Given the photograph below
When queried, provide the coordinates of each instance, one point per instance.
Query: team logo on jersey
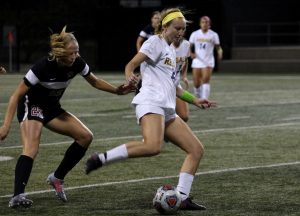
(168, 61)
(37, 112)
(70, 74)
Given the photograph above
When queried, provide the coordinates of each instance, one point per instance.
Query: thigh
(30, 136)
(197, 76)
(153, 127)
(206, 74)
(69, 125)
(179, 133)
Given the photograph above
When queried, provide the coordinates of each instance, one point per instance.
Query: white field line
(237, 117)
(195, 131)
(162, 177)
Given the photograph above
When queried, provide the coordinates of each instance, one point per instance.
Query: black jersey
(48, 80)
(147, 32)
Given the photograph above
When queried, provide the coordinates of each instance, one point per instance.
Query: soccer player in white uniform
(203, 42)
(155, 107)
(182, 48)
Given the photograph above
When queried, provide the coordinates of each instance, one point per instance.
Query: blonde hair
(165, 13)
(58, 44)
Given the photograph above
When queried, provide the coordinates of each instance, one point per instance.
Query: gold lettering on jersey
(180, 60)
(168, 61)
(204, 40)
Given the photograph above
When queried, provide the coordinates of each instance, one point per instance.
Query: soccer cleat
(93, 163)
(20, 201)
(58, 186)
(188, 204)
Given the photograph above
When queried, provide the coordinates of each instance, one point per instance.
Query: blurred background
(256, 35)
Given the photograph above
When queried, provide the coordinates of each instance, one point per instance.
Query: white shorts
(141, 110)
(197, 63)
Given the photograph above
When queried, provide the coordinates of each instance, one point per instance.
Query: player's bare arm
(132, 65)
(11, 109)
(105, 86)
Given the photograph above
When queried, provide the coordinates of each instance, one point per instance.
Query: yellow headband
(171, 16)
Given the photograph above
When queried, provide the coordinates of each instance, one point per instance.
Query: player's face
(175, 30)
(204, 24)
(155, 20)
(72, 52)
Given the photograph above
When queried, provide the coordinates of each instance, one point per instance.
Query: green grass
(256, 124)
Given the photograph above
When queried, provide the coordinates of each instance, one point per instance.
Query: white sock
(197, 91)
(115, 154)
(184, 184)
(200, 89)
(205, 91)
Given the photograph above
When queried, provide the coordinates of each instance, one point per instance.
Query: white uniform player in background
(182, 48)
(203, 42)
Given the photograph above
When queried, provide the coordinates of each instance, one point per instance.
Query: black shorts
(42, 113)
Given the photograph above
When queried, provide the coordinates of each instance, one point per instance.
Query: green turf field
(251, 164)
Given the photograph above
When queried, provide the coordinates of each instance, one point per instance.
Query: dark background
(107, 31)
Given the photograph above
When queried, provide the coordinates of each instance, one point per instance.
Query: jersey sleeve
(187, 49)
(82, 67)
(192, 38)
(216, 39)
(31, 79)
(152, 48)
(143, 34)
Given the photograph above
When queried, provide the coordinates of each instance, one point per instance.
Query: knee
(152, 149)
(85, 138)
(198, 151)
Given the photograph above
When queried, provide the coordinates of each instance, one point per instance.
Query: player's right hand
(132, 79)
(3, 132)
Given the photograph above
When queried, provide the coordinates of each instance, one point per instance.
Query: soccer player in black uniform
(148, 30)
(37, 100)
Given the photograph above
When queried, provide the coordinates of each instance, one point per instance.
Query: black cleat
(188, 204)
(92, 163)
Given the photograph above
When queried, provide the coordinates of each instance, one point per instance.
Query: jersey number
(202, 45)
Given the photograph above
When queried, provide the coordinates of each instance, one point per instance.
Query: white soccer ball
(167, 200)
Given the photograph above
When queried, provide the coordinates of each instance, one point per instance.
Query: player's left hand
(125, 89)
(186, 82)
(203, 103)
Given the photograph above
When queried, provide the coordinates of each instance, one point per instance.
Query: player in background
(2, 70)
(155, 107)
(37, 98)
(182, 48)
(203, 42)
(149, 30)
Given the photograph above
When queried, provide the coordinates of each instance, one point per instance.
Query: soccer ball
(167, 199)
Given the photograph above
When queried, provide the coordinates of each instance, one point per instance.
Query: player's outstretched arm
(11, 109)
(106, 86)
(192, 99)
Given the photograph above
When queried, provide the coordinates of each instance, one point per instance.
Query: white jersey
(204, 44)
(182, 53)
(158, 88)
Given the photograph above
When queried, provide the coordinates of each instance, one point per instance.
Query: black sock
(22, 173)
(72, 156)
